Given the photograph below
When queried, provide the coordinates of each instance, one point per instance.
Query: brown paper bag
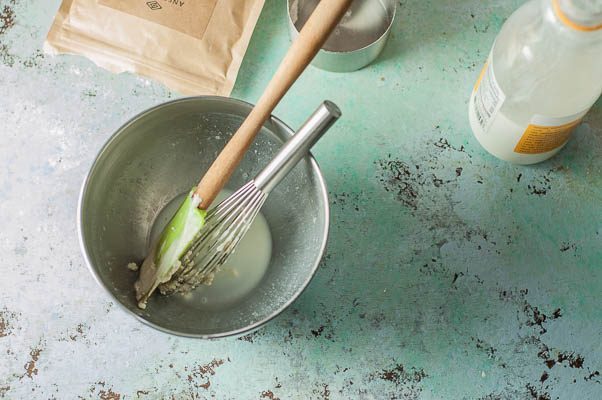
(192, 46)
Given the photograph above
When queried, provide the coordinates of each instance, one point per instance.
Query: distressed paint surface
(449, 274)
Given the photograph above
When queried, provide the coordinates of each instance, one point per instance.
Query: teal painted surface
(449, 274)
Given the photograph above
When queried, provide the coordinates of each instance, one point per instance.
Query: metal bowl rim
(83, 190)
(384, 35)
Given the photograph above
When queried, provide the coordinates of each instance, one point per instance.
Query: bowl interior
(158, 156)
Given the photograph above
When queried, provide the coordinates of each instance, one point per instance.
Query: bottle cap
(580, 15)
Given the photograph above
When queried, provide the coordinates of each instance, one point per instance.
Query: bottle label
(546, 134)
(488, 97)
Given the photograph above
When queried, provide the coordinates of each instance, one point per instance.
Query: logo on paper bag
(154, 5)
(190, 18)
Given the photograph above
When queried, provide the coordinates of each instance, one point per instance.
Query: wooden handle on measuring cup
(310, 40)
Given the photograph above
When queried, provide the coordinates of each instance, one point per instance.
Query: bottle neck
(579, 15)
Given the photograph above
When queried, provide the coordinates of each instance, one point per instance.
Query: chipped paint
(6, 322)
(30, 366)
(199, 377)
(7, 17)
(268, 394)
(109, 395)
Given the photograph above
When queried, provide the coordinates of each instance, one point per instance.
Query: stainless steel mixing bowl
(159, 155)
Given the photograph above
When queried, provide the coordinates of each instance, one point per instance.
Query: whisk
(228, 222)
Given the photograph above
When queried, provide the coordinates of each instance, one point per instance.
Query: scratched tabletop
(449, 274)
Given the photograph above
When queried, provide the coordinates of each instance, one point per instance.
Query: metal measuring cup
(358, 39)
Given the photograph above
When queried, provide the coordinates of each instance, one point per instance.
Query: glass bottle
(542, 76)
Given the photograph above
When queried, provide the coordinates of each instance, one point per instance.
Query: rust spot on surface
(534, 394)
(210, 368)
(79, 330)
(109, 395)
(3, 326)
(250, 337)
(540, 185)
(7, 18)
(326, 392)
(199, 376)
(6, 57)
(538, 318)
(33, 60)
(268, 394)
(403, 180)
(78, 333)
(317, 332)
(403, 379)
(592, 376)
(4, 390)
(550, 363)
(6, 318)
(574, 360)
(103, 391)
(399, 375)
(485, 347)
(30, 366)
(456, 276)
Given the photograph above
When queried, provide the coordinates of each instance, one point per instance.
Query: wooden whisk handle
(310, 40)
